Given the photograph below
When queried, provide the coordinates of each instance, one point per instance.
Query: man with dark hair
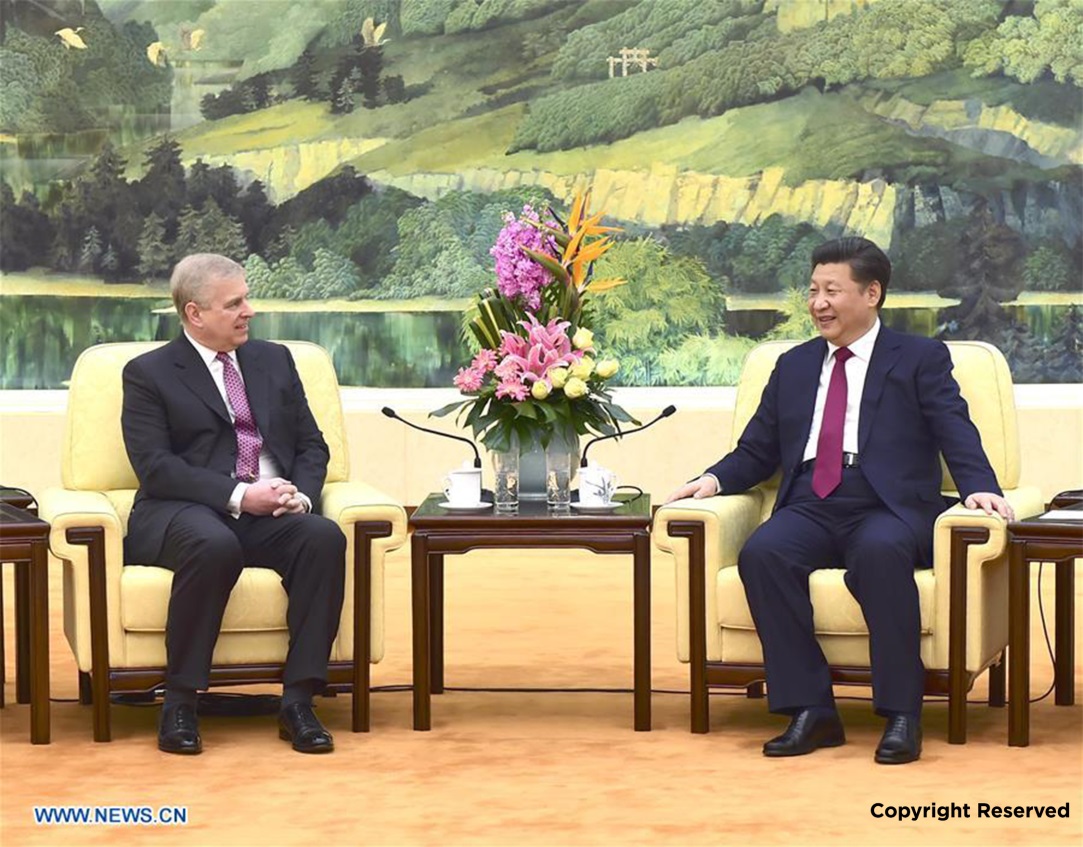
(856, 421)
(230, 460)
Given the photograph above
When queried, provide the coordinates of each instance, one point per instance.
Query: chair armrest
(348, 503)
(727, 523)
(352, 505)
(66, 509)
(1026, 502)
(970, 552)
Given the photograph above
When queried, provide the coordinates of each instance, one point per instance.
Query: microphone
(666, 412)
(391, 413)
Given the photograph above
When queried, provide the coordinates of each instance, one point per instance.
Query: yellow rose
(575, 388)
(583, 368)
(558, 376)
(539, 390)
(583, 339)
(607, 367)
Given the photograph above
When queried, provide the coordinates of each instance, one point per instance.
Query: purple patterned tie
(249, 441)
(827, 473)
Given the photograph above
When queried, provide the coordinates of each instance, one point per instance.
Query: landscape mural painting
(358, 157)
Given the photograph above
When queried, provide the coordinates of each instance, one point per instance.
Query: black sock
(179, 697)
(298, 692)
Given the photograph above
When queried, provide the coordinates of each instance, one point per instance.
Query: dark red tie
(827, 473)
(249, 441)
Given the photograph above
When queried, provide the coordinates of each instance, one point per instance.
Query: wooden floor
(539, 768)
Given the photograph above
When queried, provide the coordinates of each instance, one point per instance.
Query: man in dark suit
(230, 462)
(855, 420)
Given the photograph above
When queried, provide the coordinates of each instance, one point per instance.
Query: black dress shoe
(808, 730)
(901, 742)
(298, 723)
(178, 730)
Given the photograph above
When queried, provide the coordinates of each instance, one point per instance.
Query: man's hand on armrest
(990, 503)
(705, 486)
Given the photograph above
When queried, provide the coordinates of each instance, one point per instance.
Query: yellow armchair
(114, 616)
(963, 597)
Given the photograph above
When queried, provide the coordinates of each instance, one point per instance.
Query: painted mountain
(358, 156)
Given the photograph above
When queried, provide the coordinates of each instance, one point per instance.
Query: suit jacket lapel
(806, 384)
(885, 355)
(257, 384)
(192, 372)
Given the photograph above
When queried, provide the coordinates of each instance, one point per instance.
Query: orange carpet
(538, 768)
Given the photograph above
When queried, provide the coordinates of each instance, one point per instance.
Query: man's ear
(874, 291)
(191, 313)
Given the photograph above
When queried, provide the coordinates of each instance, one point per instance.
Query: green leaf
(449, 408)
(526, 409)
(549, 263)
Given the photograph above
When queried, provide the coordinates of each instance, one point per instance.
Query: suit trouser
(207, 551)
(851, 528)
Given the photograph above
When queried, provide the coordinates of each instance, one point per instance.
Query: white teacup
(597, 485)
(462, 487)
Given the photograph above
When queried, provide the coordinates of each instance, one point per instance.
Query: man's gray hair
(190, 278)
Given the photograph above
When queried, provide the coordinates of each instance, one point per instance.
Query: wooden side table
(24, 540)
(1040, 540)
(437, 532)
(21, 500)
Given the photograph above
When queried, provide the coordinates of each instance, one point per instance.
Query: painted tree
(163, 188)
(394, 89)
(303, 76)
(25, 231)
(1025, 359)
(668, 298)
(370, 64)
(344, 83)
(1064, 358)
(189, 231)
(155, 255)
(336, 275)
(219, 233)
(1032, 46)
(990, 272)
(91, 252)
(254, 211)
(110, 264)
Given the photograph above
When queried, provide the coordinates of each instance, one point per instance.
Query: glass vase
(506, 480)
(532, 464)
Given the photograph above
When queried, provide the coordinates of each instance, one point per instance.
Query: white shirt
(268, 467)
(857, 368)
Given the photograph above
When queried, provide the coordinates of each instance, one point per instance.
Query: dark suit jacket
(911, 411)
(181, 442)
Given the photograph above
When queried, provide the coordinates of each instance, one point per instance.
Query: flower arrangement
(537, 374)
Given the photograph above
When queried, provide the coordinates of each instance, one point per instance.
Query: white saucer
(600, 508)
(470, 507)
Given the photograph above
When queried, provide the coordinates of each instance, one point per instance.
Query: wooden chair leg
(997, 688)
(754, 690)
(86, 695)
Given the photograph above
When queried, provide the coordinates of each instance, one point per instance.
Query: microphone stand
(391, 413)
(665, 413)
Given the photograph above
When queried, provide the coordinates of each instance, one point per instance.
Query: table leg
(22, 632)
(39, 643)
(436, 621)
(3, 645)
(419, 572)
(641, 605)
(1065, 627)
(1018, 646)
